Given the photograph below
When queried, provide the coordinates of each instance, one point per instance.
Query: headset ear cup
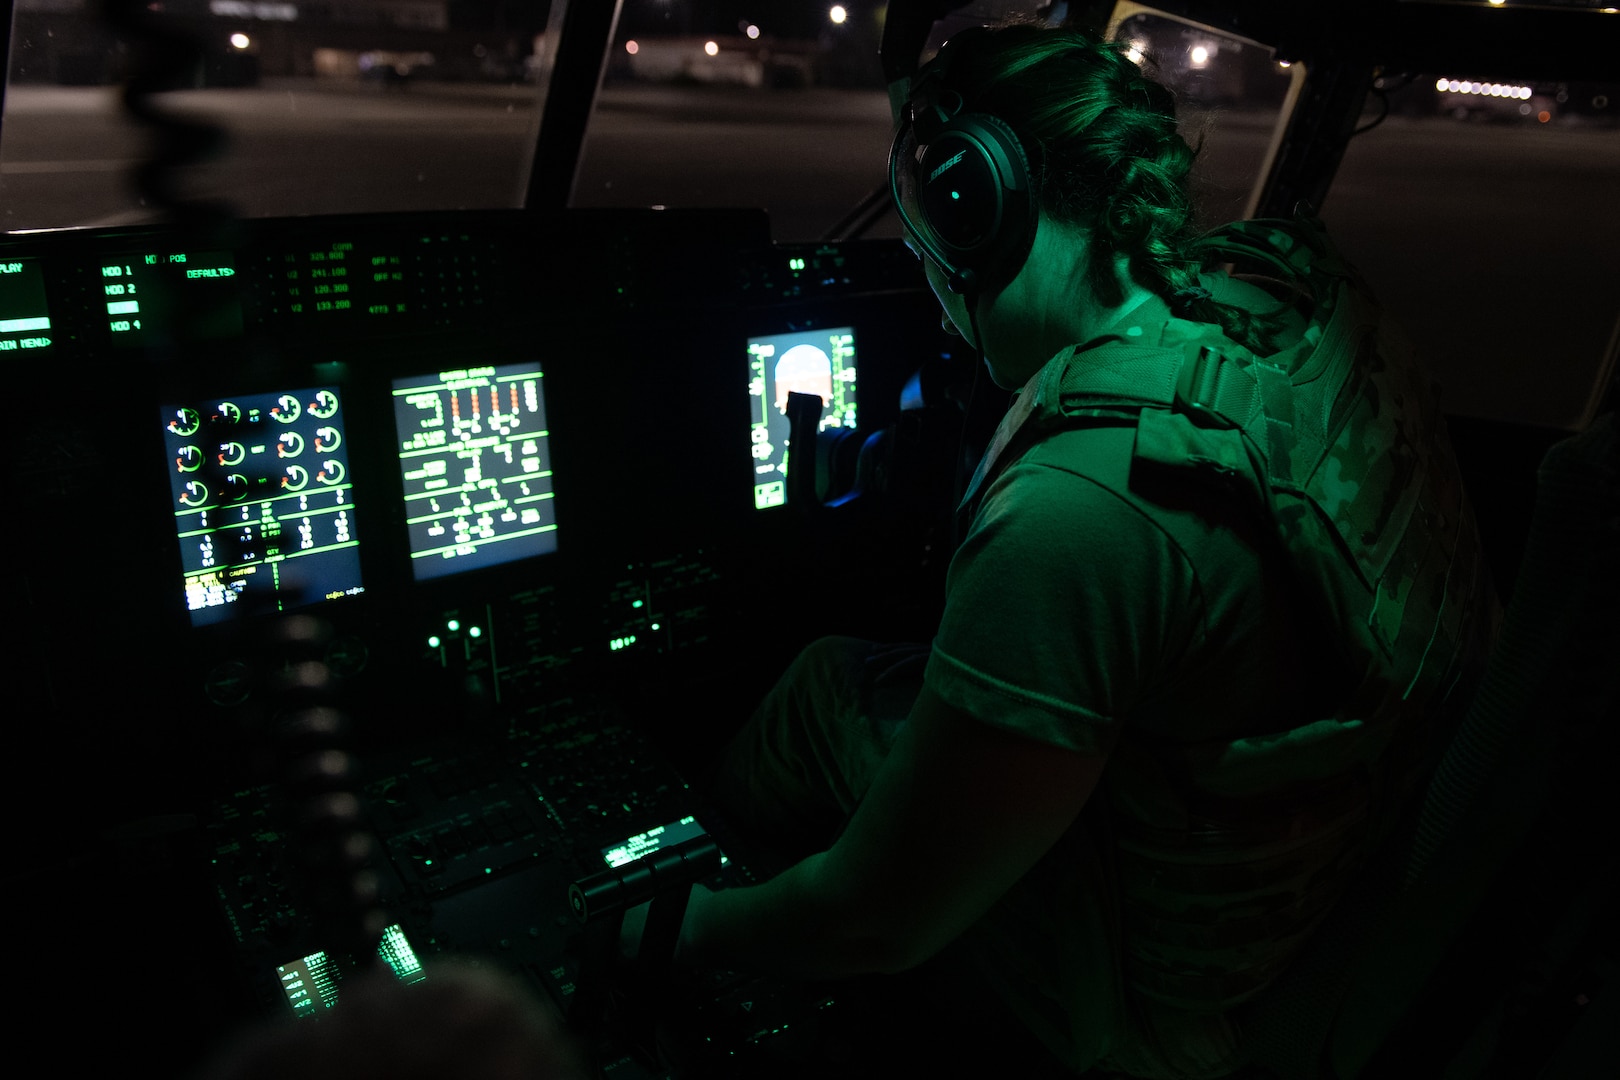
(973, 192)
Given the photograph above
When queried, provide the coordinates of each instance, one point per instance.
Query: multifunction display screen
(475, 456)
(263, 502)
(25, 322)
(820, 362)
(156, 297)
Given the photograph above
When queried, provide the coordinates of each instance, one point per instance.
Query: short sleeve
(1065, 606)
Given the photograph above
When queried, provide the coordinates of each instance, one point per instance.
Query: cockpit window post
(587, 31)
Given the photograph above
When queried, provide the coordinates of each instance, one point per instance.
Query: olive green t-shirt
(1104, 606)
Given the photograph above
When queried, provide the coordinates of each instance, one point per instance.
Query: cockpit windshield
(273, 108)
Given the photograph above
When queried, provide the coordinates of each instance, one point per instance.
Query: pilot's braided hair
(1103, 146)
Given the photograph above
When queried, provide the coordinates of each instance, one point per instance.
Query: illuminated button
(453, 625)
(433, 642)
(475, 632)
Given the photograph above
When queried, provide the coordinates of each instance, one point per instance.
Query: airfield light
(838, 14)
(711, 48)
(240, 41)
(1200, 55)
(631, 47)
(752, 32)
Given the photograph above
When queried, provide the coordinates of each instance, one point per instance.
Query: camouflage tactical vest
(1338, 440)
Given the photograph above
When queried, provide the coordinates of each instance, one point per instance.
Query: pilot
(1102, 792)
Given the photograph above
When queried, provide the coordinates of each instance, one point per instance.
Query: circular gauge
(296, 479)
(228, 413)
(231, 453)
(291, 444)
(236, 486)
(332, 472)
(195, 493)
(347, 655)
(229, 683)
(287, 409)
(185, 422)
(324, 405)
(327, 439)
(188, 459)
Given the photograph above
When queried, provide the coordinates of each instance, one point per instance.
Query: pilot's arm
(958, 812)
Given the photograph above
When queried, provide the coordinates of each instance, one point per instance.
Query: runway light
(752, 32)
(1544, 116)
(711, 48)
(1200, 56)
(632, 48)
(838, 14)
(1441, 85)
(240, 41)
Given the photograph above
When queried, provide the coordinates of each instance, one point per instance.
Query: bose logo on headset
(977, 228)
(960, 154)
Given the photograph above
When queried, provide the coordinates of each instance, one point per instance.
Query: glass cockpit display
(820, 362)
(153, 297)
(25, 321)
(476, 462)
(263, 502)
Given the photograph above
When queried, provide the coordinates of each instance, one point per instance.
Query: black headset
(975, 214)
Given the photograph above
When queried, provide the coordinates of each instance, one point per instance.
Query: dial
(332, 472)
(327, 439)
(236, 486)
(231, 453)
(228, 413)
(291, 444)
(324, 405)
(296, 479)
(185, 423)
(287, 409)
(188, 459)
(195, 493)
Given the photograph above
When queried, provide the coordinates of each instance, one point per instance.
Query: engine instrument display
(263, 502)
(476, 462)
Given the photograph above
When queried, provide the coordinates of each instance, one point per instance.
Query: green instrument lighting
(956, 194)
(476, 631)
(453, 625)
(433, 642)
(639, 603)
(655, 626)
(795, 264)
(487, 870)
